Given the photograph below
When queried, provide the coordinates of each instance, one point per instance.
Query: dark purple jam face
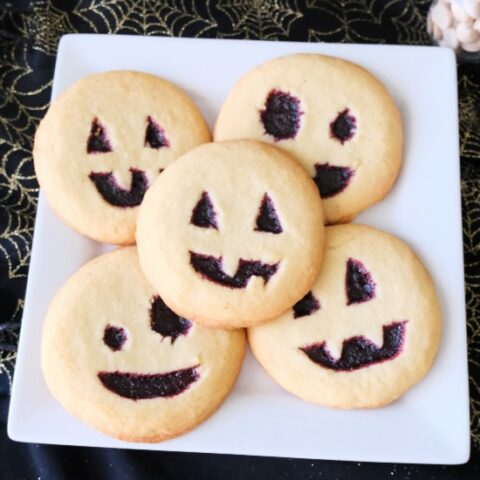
(166, 322)
(331, 180)
(359, 284)
(359, 352)
(267, 218)
(138, 386)
(114, 337)
(281, 115)
(155, 135)
(306, 306)
(203, 214)
(98, 141)
(117, 196)
(343, 128)
(211, 269)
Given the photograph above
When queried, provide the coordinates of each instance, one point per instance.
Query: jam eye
(267, 218)
(98, 141)
(306, 306)
(281, 115)
(155, 135)
(114, 337)
(343, 128)
(166, 322)
(360, 286)
(203, 214)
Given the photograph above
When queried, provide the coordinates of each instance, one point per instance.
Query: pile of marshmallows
(456, 24)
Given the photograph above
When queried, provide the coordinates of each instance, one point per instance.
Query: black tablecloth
(29, 34)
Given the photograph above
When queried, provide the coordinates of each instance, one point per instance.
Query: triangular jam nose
(267, 218)
(203, 214)
(155, 135)
(98, 141)
(360, 286)
(306, 306)
(331, 180)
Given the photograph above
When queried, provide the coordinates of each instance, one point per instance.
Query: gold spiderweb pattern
(270, 20)
(469, 125)
(29, 34)
(469, 108)
(361, 21)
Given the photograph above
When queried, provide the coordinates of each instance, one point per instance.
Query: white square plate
(430, 424)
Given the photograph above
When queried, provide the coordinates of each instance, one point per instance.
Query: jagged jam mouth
(211, 268)
(138, 386)
(359, 352)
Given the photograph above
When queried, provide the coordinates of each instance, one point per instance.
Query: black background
(29, 34)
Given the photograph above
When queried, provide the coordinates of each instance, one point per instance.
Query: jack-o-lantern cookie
(103, 142)
(367, 331)
(231, 234)
(336, 118)
(117, 357)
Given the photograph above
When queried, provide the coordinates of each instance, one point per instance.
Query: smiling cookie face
(366, 332)
(333, 116)
(116, 356)
(104, 141)
(231, 234)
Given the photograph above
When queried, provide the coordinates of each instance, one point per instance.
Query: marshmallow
(442, 16)
(450, 38)
(466, 34)
(471, 47)
(472, 7)
(459, 12)
(429, 24)
(437, 33)
(455, 24)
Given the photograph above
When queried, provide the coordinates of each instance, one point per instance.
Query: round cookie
(116, 357)
(367, 331)
(103, 142)
(230, 235)
(335, 117)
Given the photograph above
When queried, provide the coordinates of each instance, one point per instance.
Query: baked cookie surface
(332, 115)
(115, 356)
(230, 234)
(102, 143)
(367, 331)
